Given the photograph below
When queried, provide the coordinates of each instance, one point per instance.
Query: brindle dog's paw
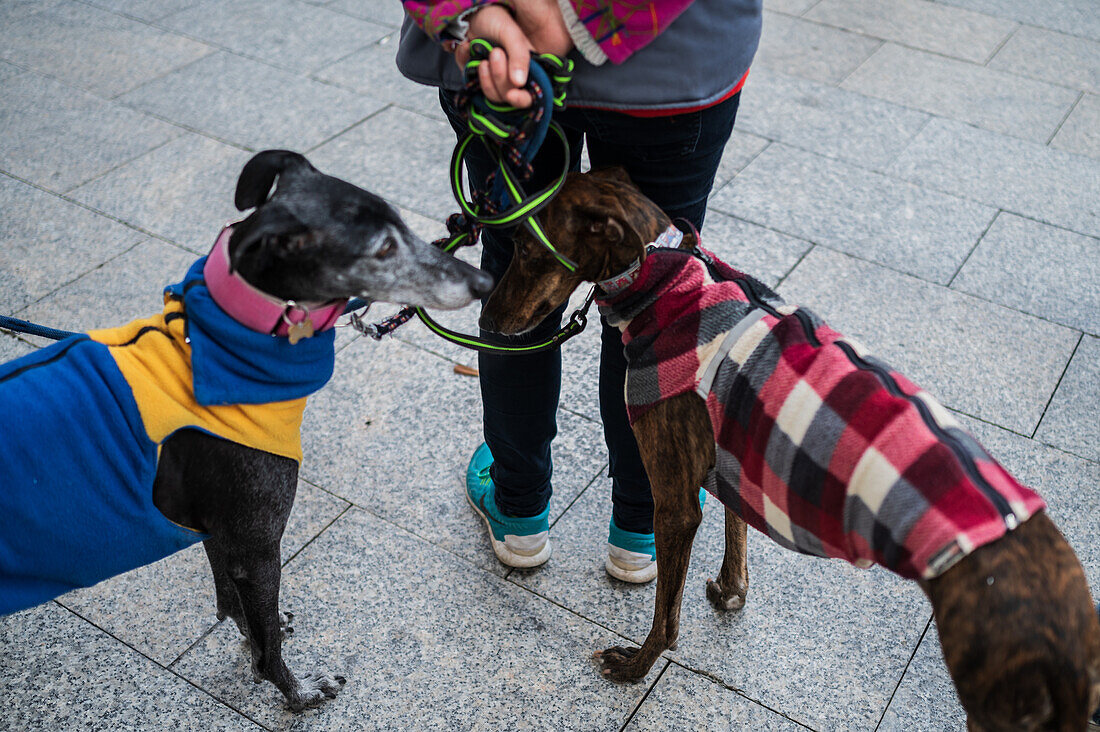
(723, 599)
(618, 664)
(314, 688)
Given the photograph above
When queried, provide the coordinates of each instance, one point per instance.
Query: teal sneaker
(517, 542)
(632, 557)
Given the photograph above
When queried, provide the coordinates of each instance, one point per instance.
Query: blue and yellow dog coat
(82, 422)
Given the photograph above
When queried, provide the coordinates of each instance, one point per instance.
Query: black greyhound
(225, 472)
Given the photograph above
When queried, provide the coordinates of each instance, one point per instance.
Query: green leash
(511, 137)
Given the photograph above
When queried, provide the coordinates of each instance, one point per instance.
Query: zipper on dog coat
(820, 446)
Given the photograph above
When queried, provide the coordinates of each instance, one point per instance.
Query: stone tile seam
(794, 266)
(385, 106)
(839, 83)
(1056, 448)
(904, 671)
(924, 125)
(331, 7)
(645, 696)
(1004, 41)
(1065, 370)
(974, 248)
(168, 668)
(145, 21)
(107, 215)
(926, 186)
(739, 692)
(1069, 112)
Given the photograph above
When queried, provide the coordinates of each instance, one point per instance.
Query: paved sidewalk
(925, 174)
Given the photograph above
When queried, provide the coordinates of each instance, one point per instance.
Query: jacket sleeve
(613, 30)
(435, 17)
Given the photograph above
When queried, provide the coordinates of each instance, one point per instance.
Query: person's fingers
(517, 50)
(488, 83)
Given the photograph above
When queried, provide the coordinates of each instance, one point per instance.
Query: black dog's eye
(389, 246)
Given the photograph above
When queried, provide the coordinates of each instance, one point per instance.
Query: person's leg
(673, 160)
(519, 393)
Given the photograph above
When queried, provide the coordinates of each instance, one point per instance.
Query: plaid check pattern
(822, 447)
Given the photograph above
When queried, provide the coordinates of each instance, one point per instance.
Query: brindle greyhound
(1023, 650)
(216, 384)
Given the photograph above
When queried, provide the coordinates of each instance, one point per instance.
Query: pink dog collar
(258, 310)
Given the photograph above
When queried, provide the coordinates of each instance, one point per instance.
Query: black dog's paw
(617, 664)
(314, 688)
(285, 619)
(723, 599)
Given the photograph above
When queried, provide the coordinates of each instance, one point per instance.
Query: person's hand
(544, 25)
(501, 77)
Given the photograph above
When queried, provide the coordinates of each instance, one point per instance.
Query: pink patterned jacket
(601, 29)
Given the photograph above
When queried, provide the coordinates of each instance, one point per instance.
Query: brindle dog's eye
(389, 247)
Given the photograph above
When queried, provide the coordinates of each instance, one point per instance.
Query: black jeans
(673, 160)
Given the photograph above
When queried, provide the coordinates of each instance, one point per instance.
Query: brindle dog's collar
(256, 309)
(670, 238)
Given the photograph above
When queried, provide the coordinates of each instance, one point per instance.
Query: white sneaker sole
(635, 576)
(506, 555)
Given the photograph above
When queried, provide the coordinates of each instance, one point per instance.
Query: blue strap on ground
(23, 326)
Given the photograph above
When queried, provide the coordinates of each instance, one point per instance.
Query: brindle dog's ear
(602, 224)
(259, 173)
(615, 172)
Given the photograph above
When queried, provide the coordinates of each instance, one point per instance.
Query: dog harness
(83, 421)
(822, 447)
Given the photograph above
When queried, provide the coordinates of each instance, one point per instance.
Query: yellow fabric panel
(158, 368)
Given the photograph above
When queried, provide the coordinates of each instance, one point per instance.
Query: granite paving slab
(372, 71)
(810, 50)
(83, 46)
(1040, 269)
(182, 191)
(251, 104)
(419, 657)
(982, 96)
(763, 253)
(792, 7)
(683, 700)
(826, 120)
(926, 698)
(400, 155)
(50, 242)
(8, 70)
(149, 10)
(161, 609)
(1055, 57)
(75, 676)
(11, 347)
(284, 33)
(59, 137)
(1070, 421)
(1021, 177)
(382, 12)
(124, 289)
(997, 364)
(1080, 133)
(854, 210)
(1078, 17)
(393, 432)
(818, 641)
(919, 24)
(739, 152)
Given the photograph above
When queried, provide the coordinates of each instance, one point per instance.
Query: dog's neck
(258, 310)
(626, 271)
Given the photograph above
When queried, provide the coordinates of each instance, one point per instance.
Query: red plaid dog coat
(822, 447)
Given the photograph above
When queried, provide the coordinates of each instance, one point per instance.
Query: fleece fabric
(822, 447)
(83, 420)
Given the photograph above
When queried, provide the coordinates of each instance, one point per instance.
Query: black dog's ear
(262, 234)
(259, 173)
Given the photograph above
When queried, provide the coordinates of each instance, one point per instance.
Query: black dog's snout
(481, 283)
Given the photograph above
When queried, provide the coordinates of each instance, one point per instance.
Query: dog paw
(723, 599)
(285, 619)
(618, 664)
(314, 688)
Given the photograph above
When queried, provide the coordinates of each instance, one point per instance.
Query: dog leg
(228, 601)
(728, 592)
(256, 579)
(677, 447)
(1019, 632)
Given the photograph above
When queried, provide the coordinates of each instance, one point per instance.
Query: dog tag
(297, 331)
